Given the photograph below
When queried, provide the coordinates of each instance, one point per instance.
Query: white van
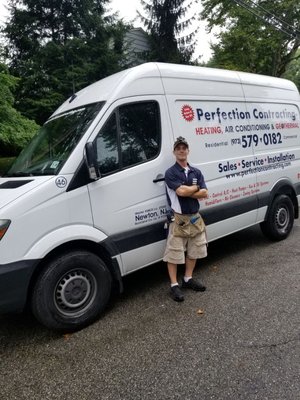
(84, 204)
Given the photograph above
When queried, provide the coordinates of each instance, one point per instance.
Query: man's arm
(187, 191)
(200, 194)
(192, 191)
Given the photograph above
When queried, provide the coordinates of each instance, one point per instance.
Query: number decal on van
(61, 182)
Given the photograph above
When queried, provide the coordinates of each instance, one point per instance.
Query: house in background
(136, 46)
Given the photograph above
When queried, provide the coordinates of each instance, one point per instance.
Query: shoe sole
(195, 290)
(179, 300)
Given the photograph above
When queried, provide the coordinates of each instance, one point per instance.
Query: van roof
(122, 84)
(143, 80)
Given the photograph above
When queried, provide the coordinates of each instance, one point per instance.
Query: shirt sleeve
(172, 181)
(201, 181)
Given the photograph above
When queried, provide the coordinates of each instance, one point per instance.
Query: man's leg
(176, 293)
(174, 252)
(188, 282)
(189, 266)
(172, 269)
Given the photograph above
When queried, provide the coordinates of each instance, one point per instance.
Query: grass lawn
(5, 163)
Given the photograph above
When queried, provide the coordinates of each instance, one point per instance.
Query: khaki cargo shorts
(195, 247)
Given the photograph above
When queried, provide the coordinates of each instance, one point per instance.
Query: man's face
(181, 152)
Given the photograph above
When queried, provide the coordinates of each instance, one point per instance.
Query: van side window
(107, 146)
(130, 136)
(140, 132)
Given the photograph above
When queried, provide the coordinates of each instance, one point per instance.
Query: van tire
(280, 218)
(71, 291)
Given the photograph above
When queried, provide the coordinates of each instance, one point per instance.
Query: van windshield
(52, 145)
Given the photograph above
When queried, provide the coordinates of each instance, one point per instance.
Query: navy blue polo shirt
(175, 176)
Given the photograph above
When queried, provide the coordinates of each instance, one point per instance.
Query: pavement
(238, 340)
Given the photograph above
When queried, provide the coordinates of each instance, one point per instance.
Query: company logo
(61, 182)
(187, 113)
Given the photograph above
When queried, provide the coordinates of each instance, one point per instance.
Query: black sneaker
(193, 284)
(176, 293)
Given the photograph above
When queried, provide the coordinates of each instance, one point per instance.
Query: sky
(127, 11)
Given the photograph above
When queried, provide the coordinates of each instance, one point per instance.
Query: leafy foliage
(246, 42)
(5, 163)
(15, 130)
(57, 47)
(293, 70)
(165, 23)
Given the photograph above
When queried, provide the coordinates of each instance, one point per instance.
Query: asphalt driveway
(238, 340)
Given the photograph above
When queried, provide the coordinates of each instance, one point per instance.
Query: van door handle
(159, 178)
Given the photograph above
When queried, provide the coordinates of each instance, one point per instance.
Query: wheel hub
(282, 218)
(75, 292)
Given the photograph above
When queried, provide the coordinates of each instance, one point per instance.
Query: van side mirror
(91, 161)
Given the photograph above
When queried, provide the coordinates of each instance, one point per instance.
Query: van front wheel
(280, 219)
(71, 291)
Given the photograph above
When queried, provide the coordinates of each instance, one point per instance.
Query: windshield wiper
(17, 174)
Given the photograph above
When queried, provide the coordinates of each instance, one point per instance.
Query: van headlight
(4, 224)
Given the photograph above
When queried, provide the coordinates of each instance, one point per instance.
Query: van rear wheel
(71, 291)
(280, 219)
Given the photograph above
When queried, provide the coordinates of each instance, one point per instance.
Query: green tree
(58, 46)
(248, 43)
(293, 70)
(15, 130)
(164, 21)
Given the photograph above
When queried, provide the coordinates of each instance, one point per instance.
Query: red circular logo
(187, 113)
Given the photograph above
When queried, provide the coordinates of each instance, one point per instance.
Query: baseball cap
(180, 140)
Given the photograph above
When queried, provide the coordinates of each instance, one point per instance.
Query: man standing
(185, 186)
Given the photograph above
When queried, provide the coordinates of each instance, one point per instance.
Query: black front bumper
(14, 282)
